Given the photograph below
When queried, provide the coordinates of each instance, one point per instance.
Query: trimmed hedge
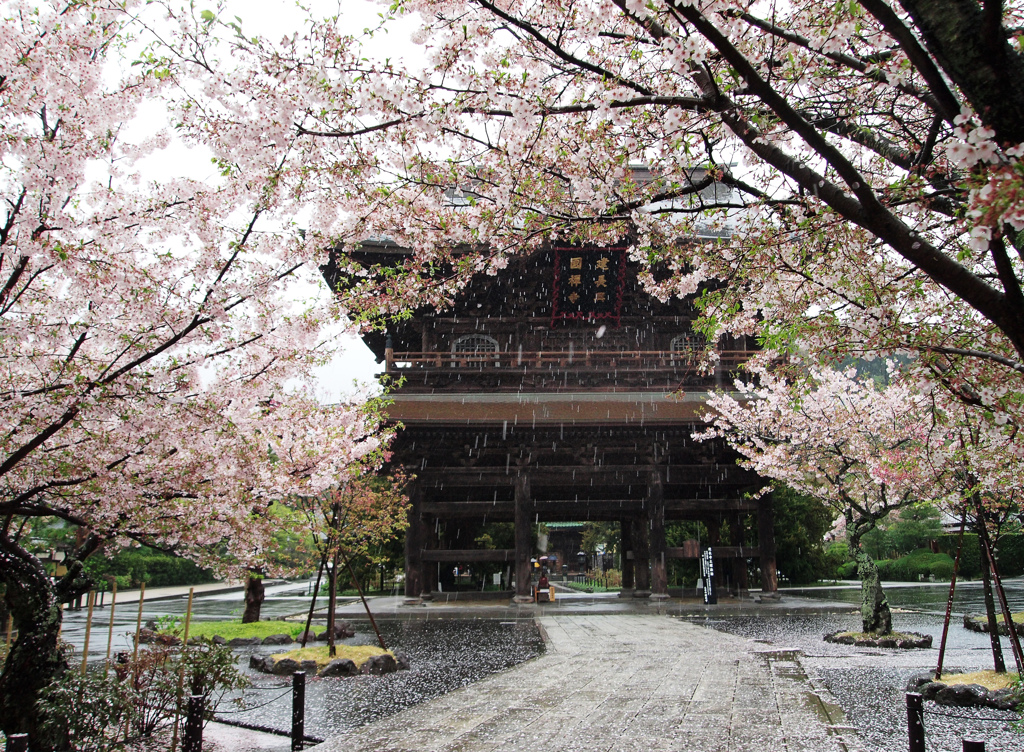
(132, 566)
(916, 566)
(1009, 553)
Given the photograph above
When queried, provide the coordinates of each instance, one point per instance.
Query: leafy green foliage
(491, 536)
(683, 572)
(90, 713)
(598, 534)
(800, 526)
(87, 713)
(913, 529)
(1009, 554)
(130, 567)
(916, 566)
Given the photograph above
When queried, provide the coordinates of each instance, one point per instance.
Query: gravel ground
(869, 683)
(445, 655)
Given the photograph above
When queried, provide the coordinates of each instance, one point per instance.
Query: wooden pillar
(628, 581)
(430, 543)
(740, 580)
(414, 540)
(766, 542)
(642, 555)
(656, 507)
(522, 535)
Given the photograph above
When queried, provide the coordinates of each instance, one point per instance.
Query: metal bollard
(915, 721)
(298, 709)
(974, 745)
(17, 743)
(193, 738)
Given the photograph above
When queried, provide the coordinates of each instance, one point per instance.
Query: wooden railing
(640, 360)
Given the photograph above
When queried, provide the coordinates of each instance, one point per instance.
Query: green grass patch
(229, 630)
(990, 680)
(358, 654)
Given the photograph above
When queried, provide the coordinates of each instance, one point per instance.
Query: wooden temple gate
(561, 391)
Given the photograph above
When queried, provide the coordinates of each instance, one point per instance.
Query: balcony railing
(638, 360)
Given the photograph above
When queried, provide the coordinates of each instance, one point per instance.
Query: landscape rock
(147, 636)
(904, 640)
(962, 695)
(258, 663)
(971, 622)
(402, 660)
(277, 639)
(931, 689)
(309, 666)
(920, 679)
(285, 667)
(918, 641)
(1002, 699)
(342, 630)
(340, 667)
(218, 640)
(840, 639)
(310, 636)
(241, 642)
(380, 664)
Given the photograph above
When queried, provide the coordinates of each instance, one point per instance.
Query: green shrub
(90, 713)
(916, 566)
(887, 570)
(1010, 553)
(837, 554)
(847, 571)
(132, 566)
(942, 570)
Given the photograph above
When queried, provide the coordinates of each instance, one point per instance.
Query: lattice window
(475, 350)
(475, 344)
(687, 347)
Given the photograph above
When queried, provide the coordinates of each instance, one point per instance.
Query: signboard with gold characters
(588, 284)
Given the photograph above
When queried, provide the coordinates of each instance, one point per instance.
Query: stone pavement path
(624, 683)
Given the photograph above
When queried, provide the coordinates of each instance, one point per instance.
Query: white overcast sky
(275, 19)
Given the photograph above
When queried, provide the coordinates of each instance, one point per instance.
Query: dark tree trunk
(875, 615)
(35, 660)
(990, 610)
(254, 595)
(332, 603)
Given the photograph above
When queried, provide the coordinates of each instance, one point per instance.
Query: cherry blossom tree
(850, 171)
(866, 451)
(156, 364)
(852, 168)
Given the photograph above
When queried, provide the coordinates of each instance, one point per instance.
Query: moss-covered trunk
(874, 608)
(35, 659)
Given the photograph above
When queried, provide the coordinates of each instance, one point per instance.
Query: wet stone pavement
(629, 683)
